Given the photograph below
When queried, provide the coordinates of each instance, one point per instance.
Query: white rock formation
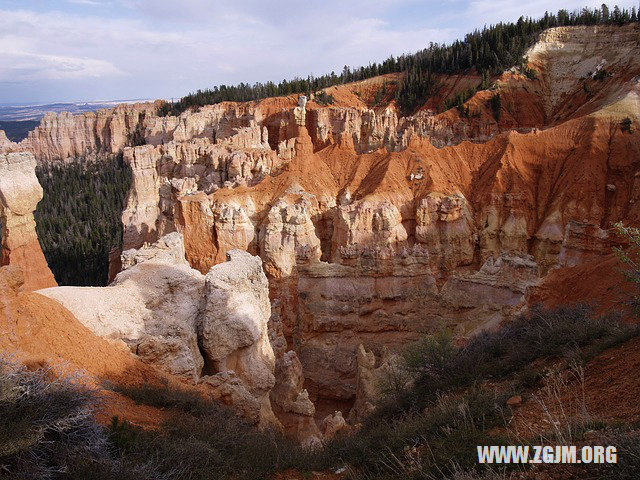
(233, 327)
(288, 236)
(20, 193)
(209, 328)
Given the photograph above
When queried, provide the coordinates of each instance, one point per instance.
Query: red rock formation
(375, 228)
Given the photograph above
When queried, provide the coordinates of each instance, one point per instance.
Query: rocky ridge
(208, 329)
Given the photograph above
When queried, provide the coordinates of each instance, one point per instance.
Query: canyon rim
(279, 256)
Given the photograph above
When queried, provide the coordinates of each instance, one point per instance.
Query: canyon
(275, 252)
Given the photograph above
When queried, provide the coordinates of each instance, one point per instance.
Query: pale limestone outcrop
(236, 344)
(64, 135)
(291, 401)
(230, 390)
(165, 175)
(289, 394)
(153, 306)
(366, 386)
(583, 242)
(332, 425)
(504, 226)
(234, 228)
(548, 241)
(20, 193)
(239, 339)
(367, 225)
(142, 211)
(211, 327)
(367, 130)
(380, 301)
(288, 236)
(444, 224)
(375, 375)
(565, 56)
(300, 112)
(500, 285)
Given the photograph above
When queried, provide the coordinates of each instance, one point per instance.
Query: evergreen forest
(78, 221)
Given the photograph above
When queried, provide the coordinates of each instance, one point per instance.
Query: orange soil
(600, 283)
(38, 331)
(611, 385)
(564, 169)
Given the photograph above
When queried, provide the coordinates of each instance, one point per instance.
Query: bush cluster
(425, 430)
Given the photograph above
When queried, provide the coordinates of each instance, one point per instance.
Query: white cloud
(19, 65)
(93, 3)
(166, 48)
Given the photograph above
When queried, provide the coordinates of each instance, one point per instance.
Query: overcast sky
(72, 50)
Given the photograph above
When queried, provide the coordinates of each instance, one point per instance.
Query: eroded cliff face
(20, 193)
(374, 228)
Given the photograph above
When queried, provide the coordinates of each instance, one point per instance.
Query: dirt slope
(40, 332)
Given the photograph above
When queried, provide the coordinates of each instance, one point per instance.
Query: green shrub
(162, 396)
(430, 428)
(218, 443)
(629, 256)
(122, 434)
(433, 443)
(528, 72)
(601, 75)
(323, 98)
(135, 137)
(541, 333)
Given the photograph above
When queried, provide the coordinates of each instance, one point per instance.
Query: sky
(88, 50)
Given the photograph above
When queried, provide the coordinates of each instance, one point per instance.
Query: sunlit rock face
(20, 193)
(209, 329)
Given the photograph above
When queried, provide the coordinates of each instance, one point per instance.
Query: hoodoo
(20, 193)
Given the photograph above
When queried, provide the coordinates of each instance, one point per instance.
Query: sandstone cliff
(20, 192)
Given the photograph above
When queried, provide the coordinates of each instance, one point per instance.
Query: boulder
(332, 425)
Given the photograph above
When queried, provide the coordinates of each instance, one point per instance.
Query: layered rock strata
(20, 193)
(373, 228)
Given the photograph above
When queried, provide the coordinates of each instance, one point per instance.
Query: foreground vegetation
(425, 428)
(79, 219)
(488, 51)
(455, 398)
